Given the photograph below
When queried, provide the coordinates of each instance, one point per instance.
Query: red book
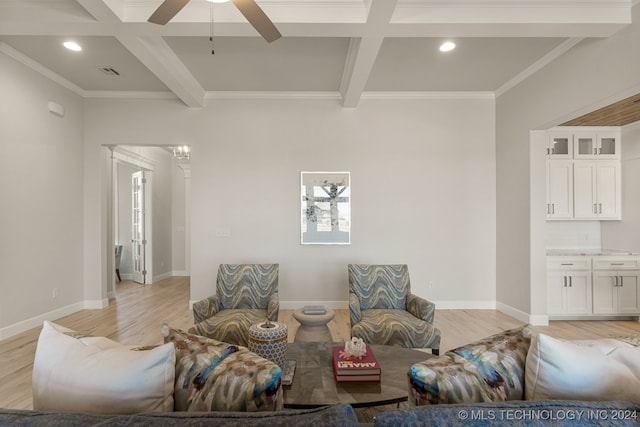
(355, 368)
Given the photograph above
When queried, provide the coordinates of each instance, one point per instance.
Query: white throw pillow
(72, 373)
(582, 370)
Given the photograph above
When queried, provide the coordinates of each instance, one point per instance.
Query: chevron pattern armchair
(245, 294)
(383, 310)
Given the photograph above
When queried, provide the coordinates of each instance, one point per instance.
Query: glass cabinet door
(608, 146)
(560, 146)
(600, 145)
(586, 146)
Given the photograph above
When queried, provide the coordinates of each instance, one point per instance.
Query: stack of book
(355, 368)
(314, 309)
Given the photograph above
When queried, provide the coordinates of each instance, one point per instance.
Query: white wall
(625, 234)
(41, 186)
(592, 74)
(423, 187)
(179, 221)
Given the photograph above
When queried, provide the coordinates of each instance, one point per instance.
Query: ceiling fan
(256, 17)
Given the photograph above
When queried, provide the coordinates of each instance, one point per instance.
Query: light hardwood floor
(135, 315)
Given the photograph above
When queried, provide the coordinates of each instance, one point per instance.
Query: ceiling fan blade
(167, 10)
(258, 19)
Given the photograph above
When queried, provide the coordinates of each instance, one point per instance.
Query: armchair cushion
(231, 324)
(216, 376)
(396, 327)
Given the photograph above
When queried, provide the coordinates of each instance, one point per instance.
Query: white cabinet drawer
(568, 263)
(616, 263)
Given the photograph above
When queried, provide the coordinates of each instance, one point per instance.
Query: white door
(584, 189)
(579, 293)
(605, 292)
(138, 237)
(628, 293)
(608, 191)
(560, 189)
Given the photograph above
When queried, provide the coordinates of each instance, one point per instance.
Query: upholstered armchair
(245, 294)
(383, 310)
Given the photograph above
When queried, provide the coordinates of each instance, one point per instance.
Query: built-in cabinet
(581, 286)
(569, 289)
(596, 189)
(560, 189)
(615, 286)
(583, 175)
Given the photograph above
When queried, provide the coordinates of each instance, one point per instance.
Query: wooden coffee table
(314, 383)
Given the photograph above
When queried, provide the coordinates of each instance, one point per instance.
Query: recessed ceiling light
(72, 46)
(447, 46)
(217, 1)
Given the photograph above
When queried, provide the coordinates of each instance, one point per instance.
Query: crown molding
(39, 68)
(123, 94)
(429, 95)
(560, 50)
(272, 95)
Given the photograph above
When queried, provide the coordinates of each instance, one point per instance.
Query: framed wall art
(325, 208)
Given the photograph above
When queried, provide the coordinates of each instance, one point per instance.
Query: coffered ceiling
(339, 48)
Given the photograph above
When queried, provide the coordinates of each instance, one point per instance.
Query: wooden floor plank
(135, 315)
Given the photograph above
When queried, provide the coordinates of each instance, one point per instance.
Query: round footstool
(313, 327)
(269, 340)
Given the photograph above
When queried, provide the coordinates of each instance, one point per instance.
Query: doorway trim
(122, 155)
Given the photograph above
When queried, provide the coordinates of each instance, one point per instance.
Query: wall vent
(110, 71)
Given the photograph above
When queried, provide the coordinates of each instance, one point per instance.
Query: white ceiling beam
(151, 51)
(100, 11)
(158, 57)
(364, 51)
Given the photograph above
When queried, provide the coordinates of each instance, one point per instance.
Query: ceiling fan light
(71, 45)
(447, 46)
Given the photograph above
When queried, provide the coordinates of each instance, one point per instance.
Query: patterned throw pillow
(489, 370)
(216, 376)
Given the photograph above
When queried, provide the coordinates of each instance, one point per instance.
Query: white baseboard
(292, 305)
(36, 321)
(533, 319)
(98, 304)
(161, 277)
(126, 276)
(180, 273)
(539, 319)
(465, 305)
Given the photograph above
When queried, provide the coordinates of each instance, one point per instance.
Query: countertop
(590, 252)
